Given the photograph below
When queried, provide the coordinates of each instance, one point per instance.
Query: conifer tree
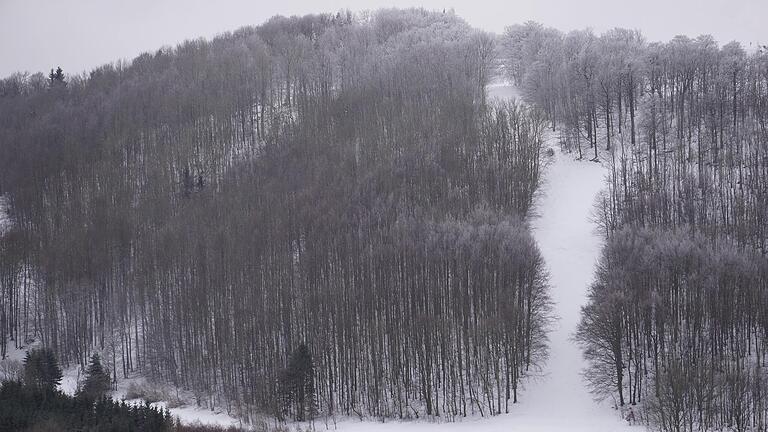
(41, 369)
(97, 380)
(298, 385)
(56, 77)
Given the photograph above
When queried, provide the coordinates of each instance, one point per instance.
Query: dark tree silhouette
(56, 78)
(42, 370)
(298, 385)
(97, 382)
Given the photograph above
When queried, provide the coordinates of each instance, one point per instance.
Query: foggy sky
(36, 35)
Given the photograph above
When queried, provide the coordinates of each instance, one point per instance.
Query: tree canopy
(340, 181)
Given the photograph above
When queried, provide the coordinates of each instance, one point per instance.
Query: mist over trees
(676, 318)
(317, 215)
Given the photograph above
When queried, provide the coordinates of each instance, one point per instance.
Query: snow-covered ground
(192, 415)
(499, 88)
(12, 354)
(188, 413)
(570, 246)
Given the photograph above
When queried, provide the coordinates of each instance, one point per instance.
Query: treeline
(24, 408)
(676, 318)
(679, 323)
(32, 402)
(334, 182)
(687, 120)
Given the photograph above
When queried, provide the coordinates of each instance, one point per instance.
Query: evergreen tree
(97, 380)
(56, 78)
(41, 369)
(298, 385)
(25, 408)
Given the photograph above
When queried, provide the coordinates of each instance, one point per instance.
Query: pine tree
(97, 380)
(298, 385)
(56, 78)
(41, 369)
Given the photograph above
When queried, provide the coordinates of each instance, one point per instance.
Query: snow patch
(501, 89)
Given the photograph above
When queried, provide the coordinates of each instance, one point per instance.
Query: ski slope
(570, 246)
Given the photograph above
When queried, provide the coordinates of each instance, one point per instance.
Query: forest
(676, 319)
(318, 215)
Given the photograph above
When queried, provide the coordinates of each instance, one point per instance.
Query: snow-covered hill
(558, 400)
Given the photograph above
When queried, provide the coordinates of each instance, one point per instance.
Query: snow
(14, 354)
(69, 379)
(570, 246)
(188, 414)
(502, 89)
(192, 414)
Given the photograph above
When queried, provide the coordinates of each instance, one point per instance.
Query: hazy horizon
(37, 36)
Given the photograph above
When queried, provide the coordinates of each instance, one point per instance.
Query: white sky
(36, 35)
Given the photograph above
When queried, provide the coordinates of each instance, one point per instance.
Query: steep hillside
(314, 216)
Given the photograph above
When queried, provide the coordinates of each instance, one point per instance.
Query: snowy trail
(558, 400)
(570, 246)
